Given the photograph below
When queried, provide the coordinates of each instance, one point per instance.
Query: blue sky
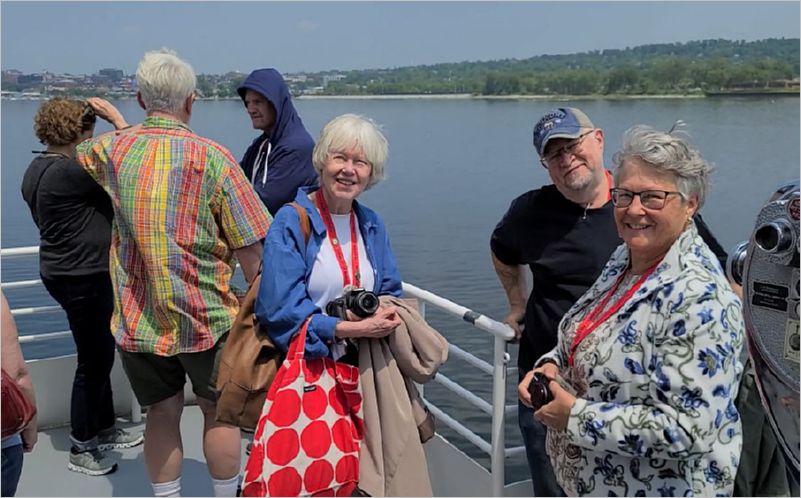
(215, 37)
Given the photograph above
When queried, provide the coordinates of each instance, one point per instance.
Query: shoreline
(469, 96)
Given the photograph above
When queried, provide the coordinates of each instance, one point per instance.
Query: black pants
(89, 302)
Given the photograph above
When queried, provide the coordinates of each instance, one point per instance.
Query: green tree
(622, 79)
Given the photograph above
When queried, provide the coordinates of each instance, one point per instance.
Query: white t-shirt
(325, 281)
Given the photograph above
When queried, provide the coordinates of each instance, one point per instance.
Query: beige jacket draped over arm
(392, 459)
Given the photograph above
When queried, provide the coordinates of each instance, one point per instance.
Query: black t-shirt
(565, 247)
(73, 214)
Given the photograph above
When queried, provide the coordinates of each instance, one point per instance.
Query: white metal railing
(502, 334)
(136, 408)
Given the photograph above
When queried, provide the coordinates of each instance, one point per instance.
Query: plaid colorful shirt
(181, 206)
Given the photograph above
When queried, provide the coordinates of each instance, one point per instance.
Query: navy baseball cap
(564, 122)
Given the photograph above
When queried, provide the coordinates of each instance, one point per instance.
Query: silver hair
(350, 130)
(667, 152)
(164, 81)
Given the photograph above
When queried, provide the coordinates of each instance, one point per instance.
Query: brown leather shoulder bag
(249, 359)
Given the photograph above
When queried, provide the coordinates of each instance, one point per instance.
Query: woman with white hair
(348, 247)
(651, 351)
(322, 288)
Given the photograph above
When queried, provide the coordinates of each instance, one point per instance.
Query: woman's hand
(381, 324)
(106, 110)
(549, 369)
(556, 413)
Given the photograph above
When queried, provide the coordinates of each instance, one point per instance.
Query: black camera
(539, 391)
(360, 302)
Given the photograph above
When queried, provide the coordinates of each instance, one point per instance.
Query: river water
(454, 167)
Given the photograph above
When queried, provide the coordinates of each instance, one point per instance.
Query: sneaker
(92, 462)
(118, 439)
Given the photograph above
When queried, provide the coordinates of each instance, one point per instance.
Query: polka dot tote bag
(308, 436)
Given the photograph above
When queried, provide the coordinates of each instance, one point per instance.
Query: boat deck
(44, 472)
(453, 472)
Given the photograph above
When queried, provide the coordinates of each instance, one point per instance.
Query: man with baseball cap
(565, 233)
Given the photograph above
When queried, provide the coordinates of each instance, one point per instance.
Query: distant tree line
(673, 68)
(669, 68)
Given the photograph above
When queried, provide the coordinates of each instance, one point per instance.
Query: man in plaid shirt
(183, 212)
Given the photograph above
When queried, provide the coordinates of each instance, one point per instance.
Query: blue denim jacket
(283, 301)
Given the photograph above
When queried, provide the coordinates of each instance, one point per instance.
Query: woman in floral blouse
(652, 348)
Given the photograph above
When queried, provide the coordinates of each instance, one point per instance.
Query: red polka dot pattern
(347, 469)
(308, 437)
(342, 433)
(338, 400)
(291, 375)
(283, 446)
(255, 489)
(255, 462)
(316, 439)
(260, 428)
(284, 482)
(285, 409)
(354, 401)
(315, 403)
(318, 476)
(313, 370)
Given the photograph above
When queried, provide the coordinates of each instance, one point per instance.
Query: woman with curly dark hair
(74, 217)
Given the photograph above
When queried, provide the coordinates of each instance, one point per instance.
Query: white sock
(225, 487)
(169, 488)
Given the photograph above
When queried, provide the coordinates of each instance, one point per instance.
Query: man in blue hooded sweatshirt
(279, 161)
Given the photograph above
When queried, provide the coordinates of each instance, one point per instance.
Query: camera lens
(539, 391)
(368, 302)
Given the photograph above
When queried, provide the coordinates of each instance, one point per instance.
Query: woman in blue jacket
(348, 248)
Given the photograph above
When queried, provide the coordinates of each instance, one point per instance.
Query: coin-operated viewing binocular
(767, 268)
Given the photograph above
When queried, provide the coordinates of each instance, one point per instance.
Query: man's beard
(581, 182)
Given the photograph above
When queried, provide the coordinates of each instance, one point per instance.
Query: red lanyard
(332, 237)
(592, 320)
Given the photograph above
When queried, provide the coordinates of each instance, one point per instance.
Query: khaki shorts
(155, 378)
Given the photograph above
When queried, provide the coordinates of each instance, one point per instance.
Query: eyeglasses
(569, 148)
(340, 158)
(650, 199)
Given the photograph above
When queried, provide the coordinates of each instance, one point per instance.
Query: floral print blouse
(655, 383)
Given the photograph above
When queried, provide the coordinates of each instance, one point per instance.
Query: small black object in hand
(539, 391)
